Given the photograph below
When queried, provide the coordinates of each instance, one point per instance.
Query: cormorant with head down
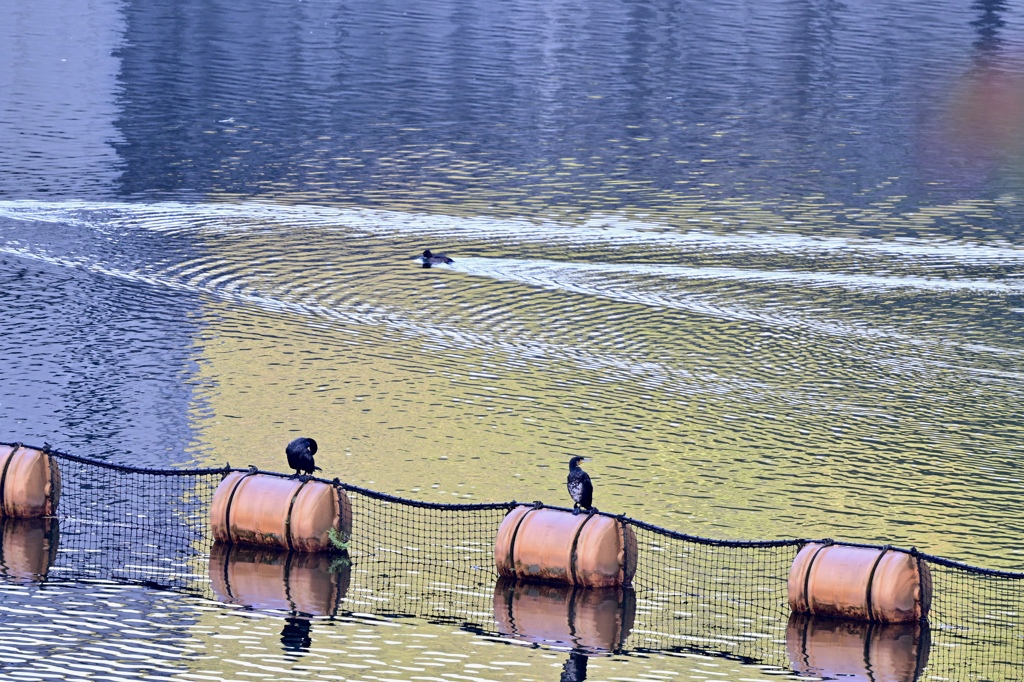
(581, 490)
(300, 455)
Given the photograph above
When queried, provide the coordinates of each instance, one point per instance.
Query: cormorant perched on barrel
(581, 490)
(435, 259)
(300, 455)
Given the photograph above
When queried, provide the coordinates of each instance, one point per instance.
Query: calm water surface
(763, 263)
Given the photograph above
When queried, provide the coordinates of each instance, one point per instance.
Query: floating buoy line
(283, 542)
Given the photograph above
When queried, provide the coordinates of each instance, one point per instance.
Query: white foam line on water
(607, 230)
(201, 286)
(558, 276)
(574, 277)
(510, 268)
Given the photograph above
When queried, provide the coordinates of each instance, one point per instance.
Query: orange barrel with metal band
(863, 583)
(535, 543)
(250, 508)
(29, 482)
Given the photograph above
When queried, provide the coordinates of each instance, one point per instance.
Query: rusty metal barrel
(29, 482)
(554, 545)
(862, 583)
(593, 620)
(261, 510)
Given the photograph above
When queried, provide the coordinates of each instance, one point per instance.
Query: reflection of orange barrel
(29, 482)
(594, 620)
(834, 648)
(273, 511)
(28, 547)
(863, 583)
(261, 578)
(551, 544)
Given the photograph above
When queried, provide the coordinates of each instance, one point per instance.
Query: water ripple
(706, 365)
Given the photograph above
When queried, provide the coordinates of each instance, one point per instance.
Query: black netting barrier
(436, 561)
(138, 525)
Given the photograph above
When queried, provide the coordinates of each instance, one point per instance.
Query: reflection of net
(435, 561)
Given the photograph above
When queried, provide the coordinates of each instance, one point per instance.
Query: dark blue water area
(78, 641)
(360, 101)
(94, 365)
(781, 100)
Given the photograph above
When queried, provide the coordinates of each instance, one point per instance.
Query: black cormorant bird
(435, 259)
(300, 455)
(581, 490)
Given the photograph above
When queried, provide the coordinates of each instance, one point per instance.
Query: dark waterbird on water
(429, 259)
(300, 456)
(581, 490)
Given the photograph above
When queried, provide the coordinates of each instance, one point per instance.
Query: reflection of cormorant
(295, 634)
(300, 455)
(435, 259)
(575, 669)
(990, 23)
(580, 488)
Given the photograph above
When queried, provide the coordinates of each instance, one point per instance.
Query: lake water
(763, 263)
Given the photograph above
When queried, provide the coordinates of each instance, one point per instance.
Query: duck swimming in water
(581, 490)
(300, 456)
(429, 259)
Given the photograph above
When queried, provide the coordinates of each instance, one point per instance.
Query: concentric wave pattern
(307, 261)
(283, 253)
(782, 348)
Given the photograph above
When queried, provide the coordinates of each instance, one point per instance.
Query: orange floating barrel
(29, 482)
(272, 511)
(862, 583)
(264, 578)
(594, 620)
(554, 545)
(834, 648)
